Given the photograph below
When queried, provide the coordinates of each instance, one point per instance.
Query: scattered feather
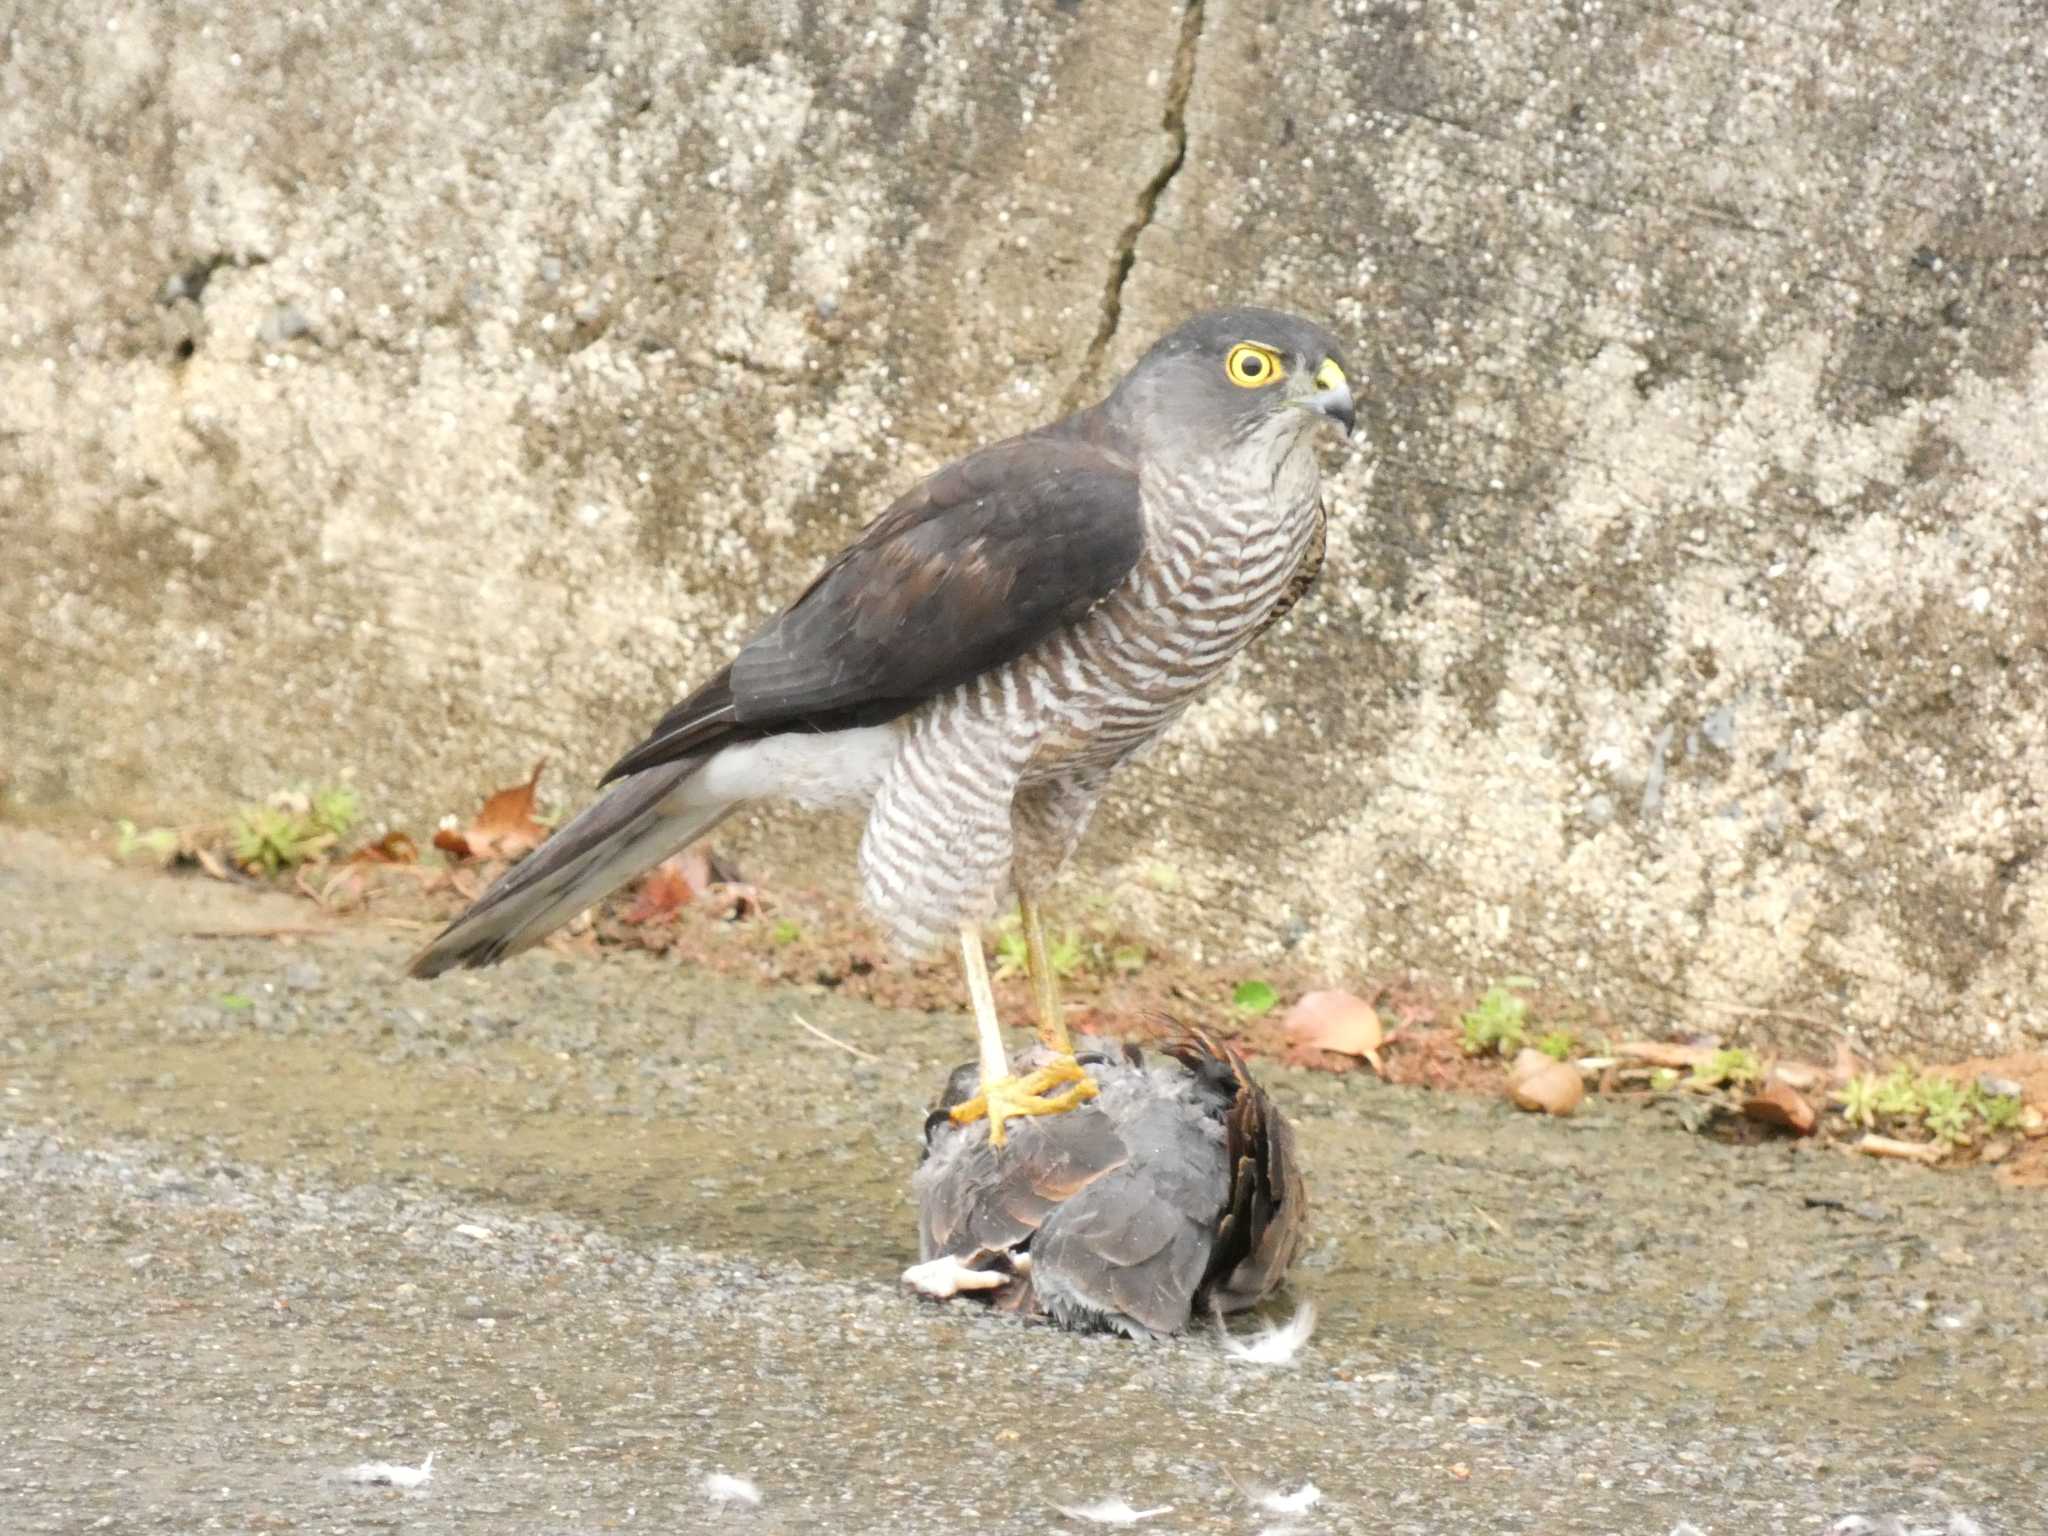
(391, 1474)
(1111, 1512)
(1272, 1345)
(724, 1488)
(1303, 1499)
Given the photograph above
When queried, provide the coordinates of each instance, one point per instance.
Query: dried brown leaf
(1779, 1103)
(391, 848)
(1540, 1082)
(505, 828)
(665, 890)
(1336, 1021)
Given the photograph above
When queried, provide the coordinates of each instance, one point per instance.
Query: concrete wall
(422, 389)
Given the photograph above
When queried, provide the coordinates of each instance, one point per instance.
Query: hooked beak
(1333, 397)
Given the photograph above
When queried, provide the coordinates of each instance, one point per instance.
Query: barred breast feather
(999, 777)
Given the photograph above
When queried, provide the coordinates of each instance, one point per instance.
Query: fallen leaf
(1779, 1103)
(1537, 1081)
(1337, 1021)
(1254, 998)
(503, 829)
(391, 848)
(668, 888)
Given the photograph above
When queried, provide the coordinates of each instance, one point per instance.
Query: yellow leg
(1045, 985)
(1004, 1097)
(988, 1029)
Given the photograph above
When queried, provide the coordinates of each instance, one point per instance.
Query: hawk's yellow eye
(1251, 365)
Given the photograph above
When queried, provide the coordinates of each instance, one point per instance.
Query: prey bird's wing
(971, 569)
(1264, 1225)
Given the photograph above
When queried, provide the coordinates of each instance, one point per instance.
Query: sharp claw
(1023, 1097)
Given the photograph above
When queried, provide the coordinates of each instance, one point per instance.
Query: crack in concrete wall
(1173, 121)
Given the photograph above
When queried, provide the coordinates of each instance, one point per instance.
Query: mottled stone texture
(418, 390)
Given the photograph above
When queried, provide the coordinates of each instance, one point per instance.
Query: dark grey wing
(1264, 1223)
(973, 1200)
(1129, 1251)
(969, 570)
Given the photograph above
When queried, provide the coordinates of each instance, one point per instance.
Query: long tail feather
(621, 834)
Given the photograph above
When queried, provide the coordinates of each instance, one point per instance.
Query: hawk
(973, 668)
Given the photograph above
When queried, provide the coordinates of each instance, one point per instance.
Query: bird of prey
(978, 662)
(1177, 1191)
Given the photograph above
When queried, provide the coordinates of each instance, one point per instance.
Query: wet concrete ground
(589, 1230)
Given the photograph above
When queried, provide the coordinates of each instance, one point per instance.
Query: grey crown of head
(1185, 383)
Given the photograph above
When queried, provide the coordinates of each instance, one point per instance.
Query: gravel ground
(592, 1230)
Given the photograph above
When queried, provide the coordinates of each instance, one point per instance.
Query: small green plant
(293, 827)
(263, 837)
(1999, 1111)
(1499, 1024)
(1065, 955)
(160, 843)
(335, 809)
(1013, 955)
(1068, 955)
(1905, 1099)
(1253, 998)
(785, 932)
(1898, 1093)
(1858, 1098)
(236, 1002)
(1664, 1079)
(1945, 1109)
(1558, 1045)
(1734, 1066)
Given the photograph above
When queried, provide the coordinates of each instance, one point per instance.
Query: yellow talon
(1012, 1097)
